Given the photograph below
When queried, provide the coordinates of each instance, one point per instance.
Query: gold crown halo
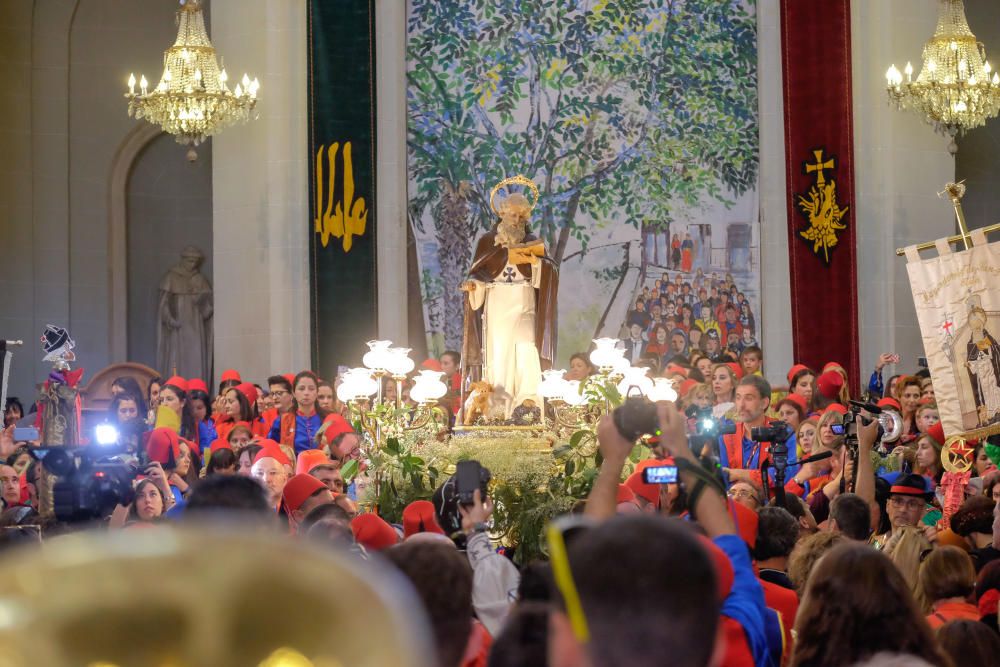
(520, 179)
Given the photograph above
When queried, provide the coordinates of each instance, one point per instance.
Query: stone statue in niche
(184, 319)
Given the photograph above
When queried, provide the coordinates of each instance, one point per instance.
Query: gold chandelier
(957, 88)
(192, 100)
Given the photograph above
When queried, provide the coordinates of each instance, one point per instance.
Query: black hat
(911, 484)
(54, 337)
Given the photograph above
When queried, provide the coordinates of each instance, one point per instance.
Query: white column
(899, 164)
(776, 299)
(260, 189)
(390, 59)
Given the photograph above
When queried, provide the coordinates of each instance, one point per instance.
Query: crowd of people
(841, 555)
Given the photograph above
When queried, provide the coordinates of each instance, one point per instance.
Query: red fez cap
(830, 365)
(218, 444)
(679, 370)
(298, 489)
(179, 382)
(373, 533)
(686, 386)
(830, 383)
(737, 369)
(335, 425)
(194, 446)
(746, 522)
(231, 375)
(836, 407)
(926, 400)
(419, 517)
(937, 432)
(249, 391)
(794, 370)
(431, 364)
(273, 450)
(197, 384)
(889, 402)
(310, 459)
(290, 377)
(797, 399)
(164, 446)
(625, 495)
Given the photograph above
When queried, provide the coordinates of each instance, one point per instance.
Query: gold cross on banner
(820, 167)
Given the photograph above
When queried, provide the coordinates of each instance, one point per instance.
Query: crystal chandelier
(192, 100)
(956, 89)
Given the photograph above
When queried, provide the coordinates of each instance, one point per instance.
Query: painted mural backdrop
(638, 121)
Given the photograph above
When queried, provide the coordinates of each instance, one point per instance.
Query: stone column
(260, 190)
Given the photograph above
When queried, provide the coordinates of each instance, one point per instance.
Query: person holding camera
(740, 456)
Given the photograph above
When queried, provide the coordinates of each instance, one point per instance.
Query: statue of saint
(184, 318)
(510, 305)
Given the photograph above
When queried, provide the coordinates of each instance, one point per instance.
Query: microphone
(816, 457)
(870, 407)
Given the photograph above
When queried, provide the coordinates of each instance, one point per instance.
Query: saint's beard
(511, 232)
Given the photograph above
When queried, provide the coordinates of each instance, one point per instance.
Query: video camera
(91, 479)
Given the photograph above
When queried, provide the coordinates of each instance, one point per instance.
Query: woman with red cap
(298, 428)
(173, 395)
(791, 410)
(240, 406)
(802, 381)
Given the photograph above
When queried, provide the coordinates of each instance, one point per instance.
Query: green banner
(342, 181)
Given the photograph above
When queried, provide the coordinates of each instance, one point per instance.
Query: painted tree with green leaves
(621, 111)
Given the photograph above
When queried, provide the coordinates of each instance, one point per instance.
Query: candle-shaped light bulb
(239, 91)
(987, 67)
(246, 81)
(996, 79)
(223, 77)
(197, 75)
(167, 76)
(143, 84)
(131, 83)
(909, 72)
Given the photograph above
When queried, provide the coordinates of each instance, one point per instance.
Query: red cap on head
(625, 495)
(794, 370)
(197, 384)
(373, 533)
(431, 364)
(179, 382)
(310, 459)
(797, 399)
(249, 391)
(829, 384)
(679, 370)
(218, 444)
(164, 446)
(229, 375)
(889, 402)
(298, 489)
(836, 407)
(271, 449)
(419, 517)
(737, 369)
(830, 365)
(686, 386)
(335, 425)
(937, 432)
(290, 377)
(746, 521)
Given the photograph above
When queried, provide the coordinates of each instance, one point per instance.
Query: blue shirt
(206, 435)
(305, 431)
(745, 602)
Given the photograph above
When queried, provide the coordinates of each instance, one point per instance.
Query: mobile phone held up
(659, 475)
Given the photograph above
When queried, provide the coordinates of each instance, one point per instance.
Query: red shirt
(952, 611)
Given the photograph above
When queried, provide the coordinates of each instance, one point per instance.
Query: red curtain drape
(819, 143)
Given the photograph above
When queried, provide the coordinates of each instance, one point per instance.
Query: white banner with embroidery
(957, 297)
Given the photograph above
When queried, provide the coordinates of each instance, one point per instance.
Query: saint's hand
(467, 286)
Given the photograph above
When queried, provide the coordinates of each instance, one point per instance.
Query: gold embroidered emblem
(820, 208)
